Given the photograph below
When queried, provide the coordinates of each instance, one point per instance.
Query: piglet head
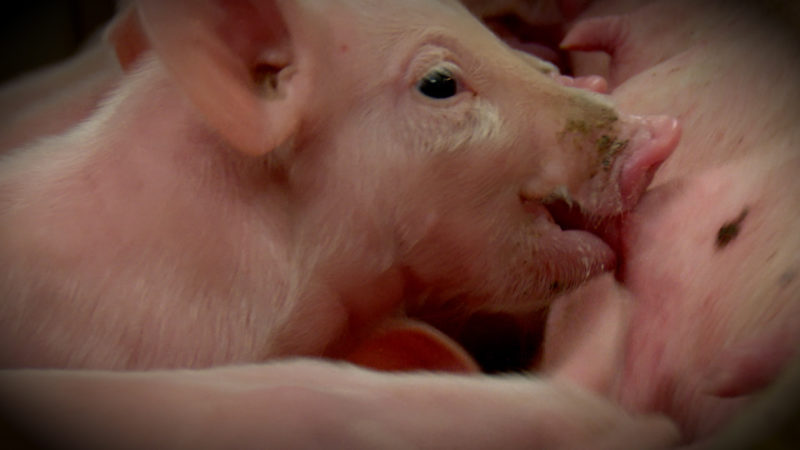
(537, 186)
(437, 138)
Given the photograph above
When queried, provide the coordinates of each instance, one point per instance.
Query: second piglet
(281, 177)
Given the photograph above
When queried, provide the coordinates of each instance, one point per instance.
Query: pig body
(283, 191)
(710, 256)
(727, 287)
(721, 50)
(308, 404)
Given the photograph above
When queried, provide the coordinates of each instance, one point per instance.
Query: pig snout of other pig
(276, 177)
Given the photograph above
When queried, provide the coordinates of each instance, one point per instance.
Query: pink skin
(308, 404)
(704, 42)
(259, 224)
(714, 318)
(229, 221)
(178, 243)
(742, 297)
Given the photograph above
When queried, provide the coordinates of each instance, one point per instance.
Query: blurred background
(35, 33)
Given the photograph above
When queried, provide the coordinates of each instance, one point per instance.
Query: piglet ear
(126, 36)
(404, 345)
(235, 61)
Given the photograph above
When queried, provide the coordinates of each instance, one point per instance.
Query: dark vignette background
(35, 33)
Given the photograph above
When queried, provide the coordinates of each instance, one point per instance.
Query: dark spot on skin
(787, 277)
(594, 131)
(579, 126)
(730, 230)
(344, 48)
(608, 148)
(603, 144)
(603, 121)
(556, 287)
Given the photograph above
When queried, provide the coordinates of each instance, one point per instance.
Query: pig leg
(585, 333)
(305, 404)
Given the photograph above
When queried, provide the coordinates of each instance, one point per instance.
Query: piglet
(280, 178)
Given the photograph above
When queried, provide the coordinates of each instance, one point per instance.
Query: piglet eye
(438, 83)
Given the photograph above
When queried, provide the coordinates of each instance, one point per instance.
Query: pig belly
(713, 263)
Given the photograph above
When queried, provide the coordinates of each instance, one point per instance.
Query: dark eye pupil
(438, 84)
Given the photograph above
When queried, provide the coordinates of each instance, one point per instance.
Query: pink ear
(406, 345)
(213, 48)
(127, 37)
(603, 34)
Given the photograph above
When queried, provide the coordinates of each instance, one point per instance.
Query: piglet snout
(644, 143)
(652, 142)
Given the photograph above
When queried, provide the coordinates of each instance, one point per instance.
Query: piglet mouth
(569, 216)
(512, 342)
(584, 244)
(442, 337)
(502, 342)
